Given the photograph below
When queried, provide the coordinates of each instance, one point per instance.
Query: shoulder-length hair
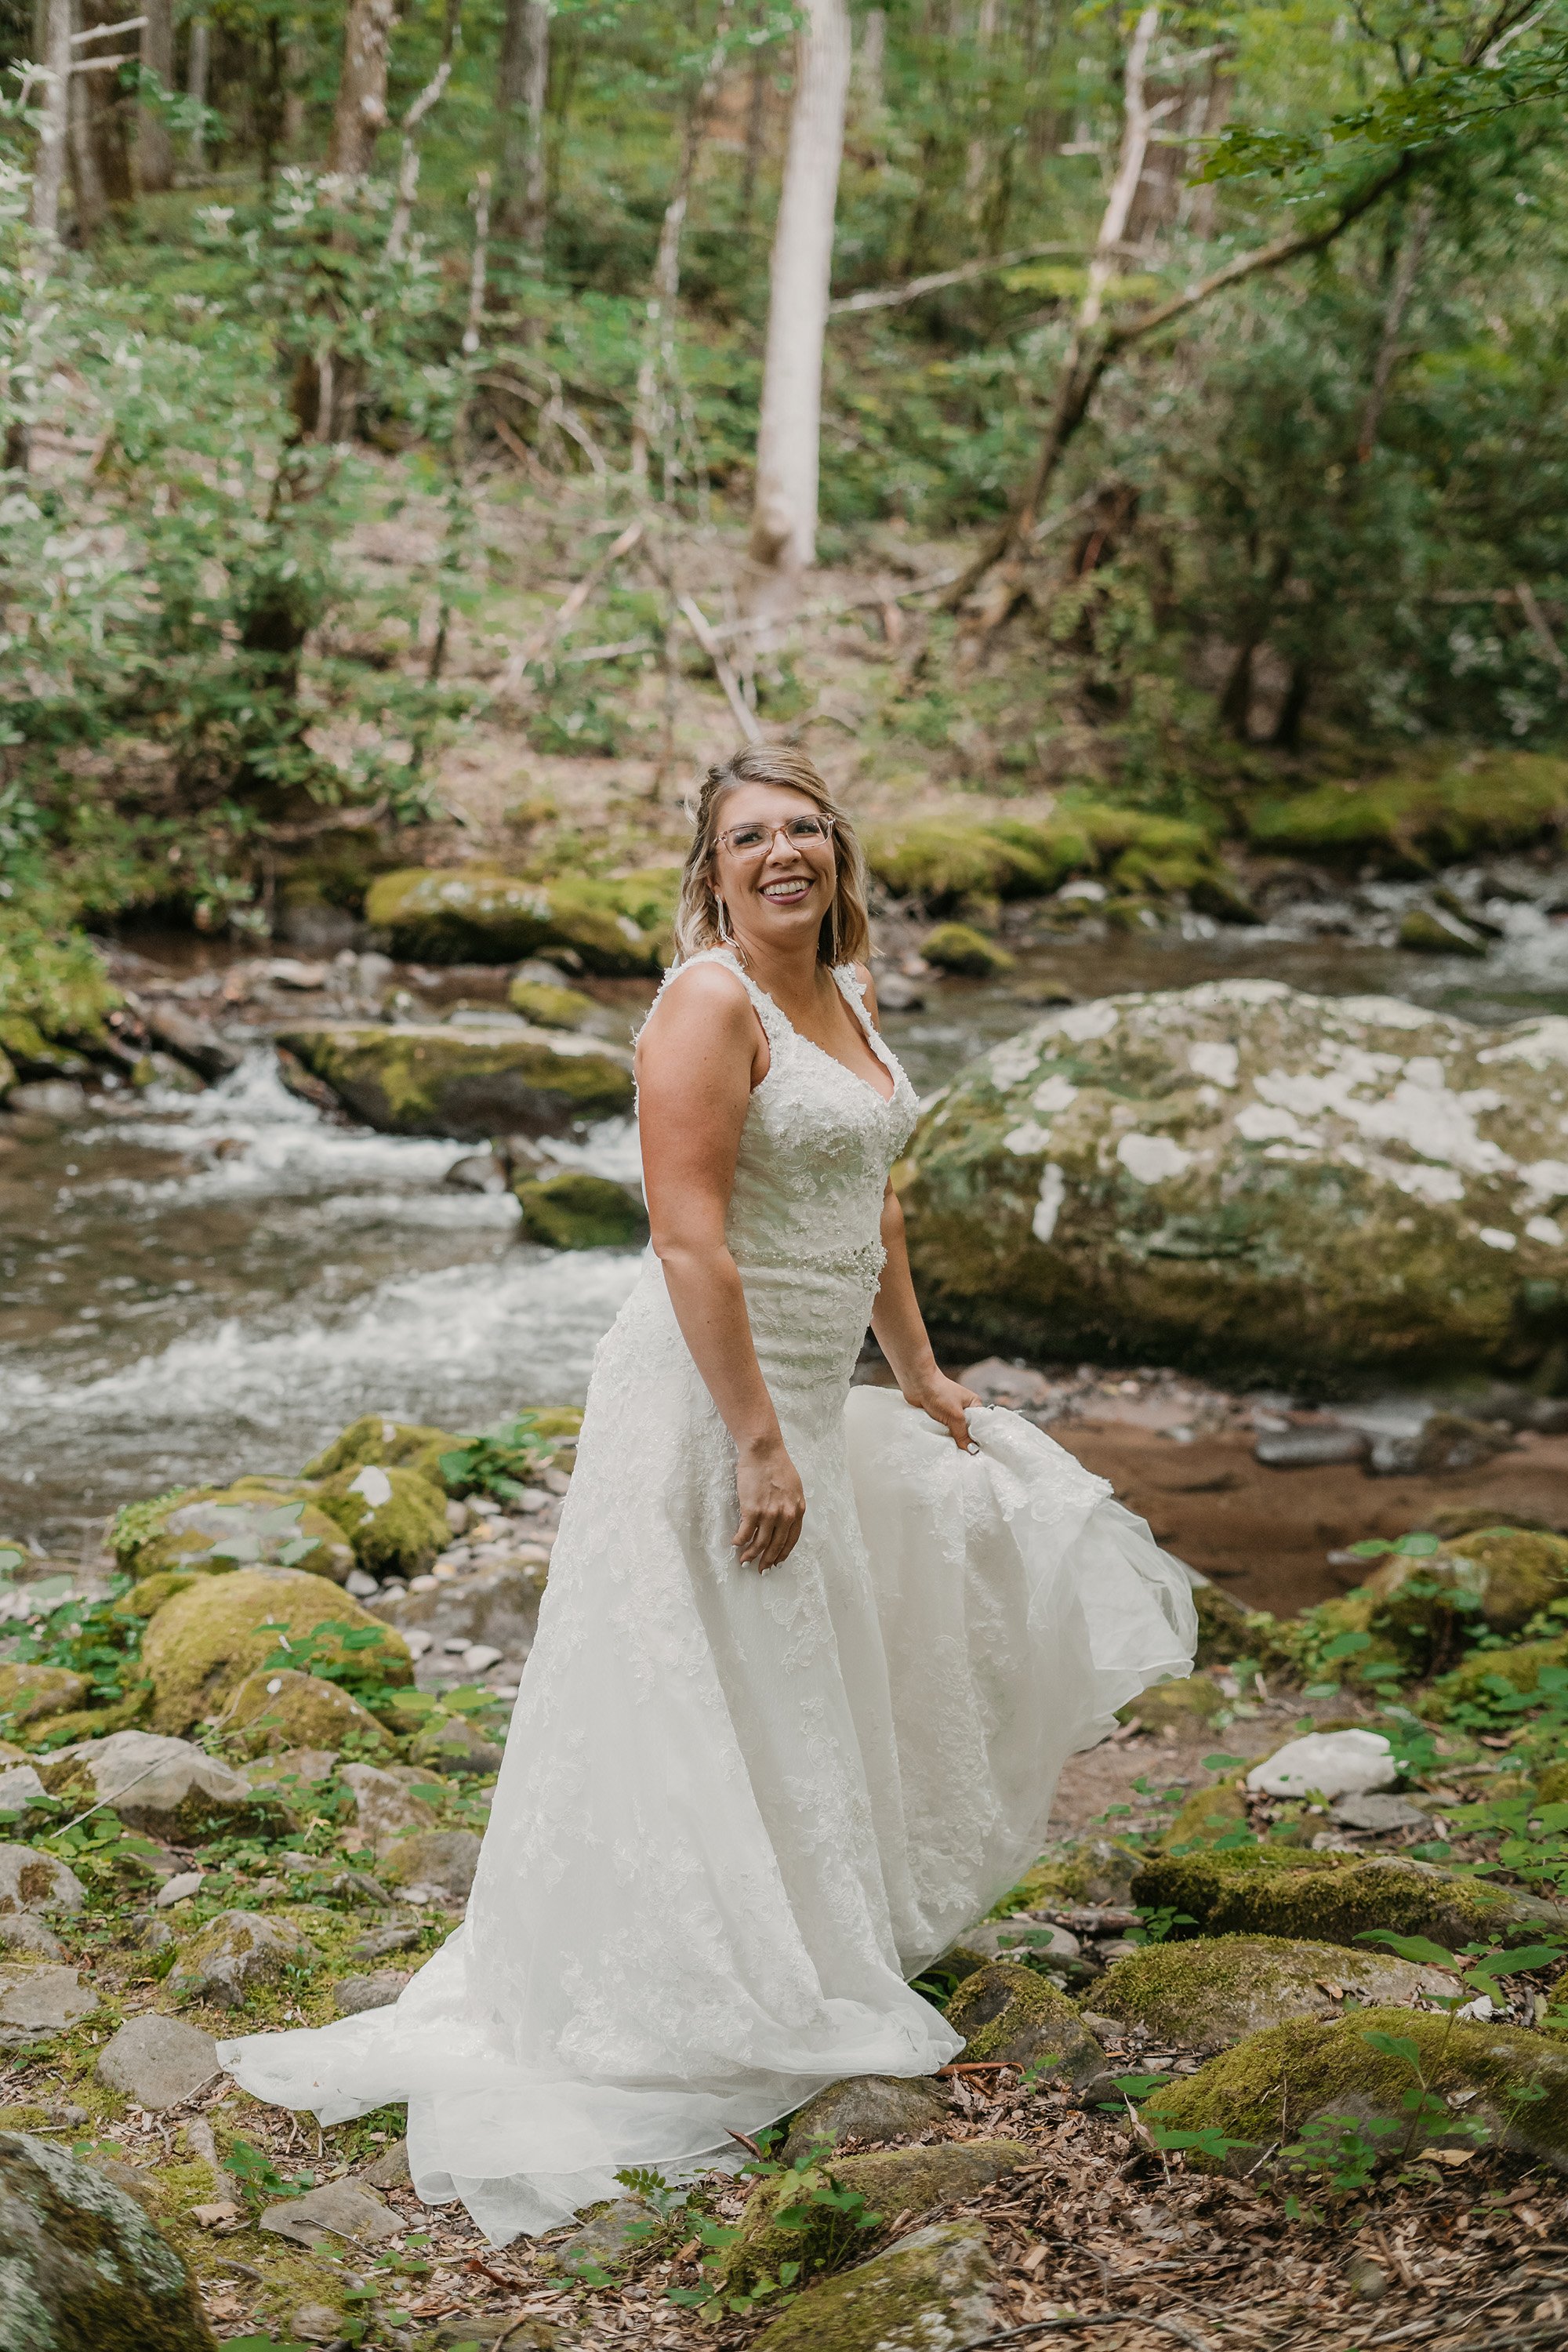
(846, 933)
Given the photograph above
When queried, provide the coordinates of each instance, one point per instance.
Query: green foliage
(500, 1461)
(340, 1653)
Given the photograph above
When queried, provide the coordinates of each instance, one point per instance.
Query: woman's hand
(772, 1505)
(947, 1401)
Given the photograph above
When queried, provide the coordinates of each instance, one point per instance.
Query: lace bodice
(817, 1143)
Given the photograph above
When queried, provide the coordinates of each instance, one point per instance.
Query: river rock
(930, 2290)
(288, 1711)
(386, 1808)
(251, 1523)
(19, 1788)
(169, 1787)
(579, 1210)
(1311, 1449)
(1377, 1812)
(465, 915)
(1214, 1991)
(35, 2001)
(158, 2062)
(497, 1605)
(236, 1951)
(1009, 2014)
(395, 1519)
(29, 1694)
(84, 2269)
(205, 1642)
(1326, 1764)
(341, 2209)
(1445, 1444)
(960, 948)
(546, 1004)
(433, 1866)
(377, 1437)
(1334, 1897)
(468, 1082)
(895, 2180)
(1172, 1176)
(868, 2107)
(352, 1996)
(451, 1744)
(31, 1881)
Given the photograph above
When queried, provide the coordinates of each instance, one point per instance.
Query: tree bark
(757, 121)
(361, 111)
(522, 198)
(1407, 269)
(408, 161)
(658, 356)
(100, 117)
(49, 168)
(199, 65)
(783, 514)
(154, 148)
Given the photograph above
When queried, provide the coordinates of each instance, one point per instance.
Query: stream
(194, 1284)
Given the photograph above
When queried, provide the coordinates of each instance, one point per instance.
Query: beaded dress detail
(738, 1813)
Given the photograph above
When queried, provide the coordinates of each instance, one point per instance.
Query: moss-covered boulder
(1170, 1177)
(251, 1523)
(960, 948)
(1095, 1870)
(476, 915)
(868, 2107)
(271, 1714)
(1494, 1580)
(376, 1437)
(445, 1079)
(1009, 2014)
(205, 1642)
(1186, 1704)
(32, 1694)
(84, 2269)
(1434, 811)
(1335, 1898)
(1267, 2088)
(1519, 1668)
(784, 2221)
(55, 993)
(578, 1211)
(549, 1007)
(1216, 1989)
(1430, 931)
(395, 1519)
(1205, 1817)
(236, 1953)
(943, 861)
(148, 1594)
(928, 2292)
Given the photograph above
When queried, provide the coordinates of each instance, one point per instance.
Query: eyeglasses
(751, 841)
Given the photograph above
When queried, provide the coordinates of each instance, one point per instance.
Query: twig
(480, 200)
(408, 163)
(745, 719)
(1098, 2319)
(745, 2141)
(573, 603)
(892, 298)
(1538, 622)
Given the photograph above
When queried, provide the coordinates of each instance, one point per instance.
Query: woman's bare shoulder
(702, 1001)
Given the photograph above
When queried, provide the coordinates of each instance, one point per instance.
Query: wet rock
(1214, 1990)
(376, 1437)
(1333, 1898)
(1432, 931)
(1311, 1449)
(386, 1808)
(447, 1081)
(960, 948)
(996, 1382)
(1446, 1443)
(31, 1694)
(1010, 2014)
(433, 1866)
(343, 2209)
(394, 1518)
(189, 1037)
(899, 2180)
(868, 2107)
(465, 916)
(205, 1642)
(38, 2000)
(548, 1006)
(234, 1952)
(578, 1211)
(477, 1172)
(252, 1523)
(497, 1605)
(929, 2290)
(84, 2269)
(1269, 2087)
(1379, 1813)
(158, 2062)
(288, 1711)
(169, 1787)
(1327, 1764)
(352, 1996)
(1173, 1173)
(31, 1881)
(451, 1744)
(60, 1100)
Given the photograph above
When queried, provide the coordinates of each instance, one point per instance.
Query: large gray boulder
(82, 2269)
(1175, 1177)
(445, 1079)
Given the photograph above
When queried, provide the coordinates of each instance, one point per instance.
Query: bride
(811, 1655)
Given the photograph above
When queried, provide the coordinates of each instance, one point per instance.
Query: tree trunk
(198, 65)
(756, 121)
(522, 201)
(361, 110)
(1407, 269)
(50, 169)
(658, 345)
(154, 148)
(296, 69)
(871, 61)
(100, 117)
(784, 516)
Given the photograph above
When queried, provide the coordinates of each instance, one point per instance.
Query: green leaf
(1395, 2045)
(1420, 1948)
(1222, 1763)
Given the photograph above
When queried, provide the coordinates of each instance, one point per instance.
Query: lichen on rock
(394, 1516)
(271, 1714)
(1009, 2014)
(236, 1952)
(82, 2263)
(929, 2293)
(205, 1642)
(1216, 1989)
(440, 1078)
(579, 1210)
(1335, 1898)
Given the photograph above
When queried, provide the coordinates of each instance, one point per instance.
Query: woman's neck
(791, 975)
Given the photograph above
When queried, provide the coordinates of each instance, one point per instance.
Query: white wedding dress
(738, 1811)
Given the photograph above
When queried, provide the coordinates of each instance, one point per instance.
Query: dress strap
(852, 988)
(775, 1027)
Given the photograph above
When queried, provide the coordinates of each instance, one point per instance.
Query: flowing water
(195, 1284)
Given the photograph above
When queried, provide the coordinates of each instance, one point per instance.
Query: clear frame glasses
(754, 841)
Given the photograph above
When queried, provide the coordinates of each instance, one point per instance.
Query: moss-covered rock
(1267, 2088)
(270, 1714)
(927, 2292)
(1216, 1989)
(84, 2269)
(1519, 1667)
(1429, 930)
(474, 915)
(960, 948)
(31, 1694)
(1494, 1580)
(577, 1211)
(53, 990)
(1185, 1704)
(1205, 1817)
(1097, 1870)
(1010, 2014)
(1172, 1176)
(148, 1594)
(251, 1523)
(375, 1437)
(1334, 1897)
(548, 1007)
(867, 2107)
(168, 1787)
(234, 1954)
(444, 1079)
(205, 1642)
(783, 2222)
(395, 1519)
(943, 861)
(1435, 812)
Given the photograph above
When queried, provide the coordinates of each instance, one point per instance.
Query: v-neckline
(877, 1051)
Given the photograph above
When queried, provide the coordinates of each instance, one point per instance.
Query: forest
(1127, 446)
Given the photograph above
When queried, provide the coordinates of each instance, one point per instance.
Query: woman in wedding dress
(810, 1657)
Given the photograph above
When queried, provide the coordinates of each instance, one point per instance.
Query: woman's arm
(896, 1320)
(695, 1068)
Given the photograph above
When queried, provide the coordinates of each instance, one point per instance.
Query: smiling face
(776, 894)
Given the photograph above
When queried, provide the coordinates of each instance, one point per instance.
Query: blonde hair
(846, 933)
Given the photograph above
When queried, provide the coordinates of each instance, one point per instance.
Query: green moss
(1097, 1871)
(1266, 1891)
(1425, 931)
(375, 1438)
(1267, 2088)
(960, 948)
(1188, 1702)
(208, 1530)
(942, 861)
(548, 1007)
(578, 1211)
(819, 2235)
(1217, 1989)
(53, 986)
(1206, 1815)
(302, 1711)
(148, 1594)
(1009, 2013)
(29, 1694)
(926, 2293)
(397, 1537)
(93, 1722)
(1519, 1667)
(1432, 815)
(474, 1083)
(1493, 1580)
(477, 915)
(204, 1644)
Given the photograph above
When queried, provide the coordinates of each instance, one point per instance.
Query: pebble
(1311, 1449)
(1376, 1809)
(182, 1885)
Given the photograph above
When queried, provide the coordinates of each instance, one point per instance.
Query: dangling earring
(722, 921)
